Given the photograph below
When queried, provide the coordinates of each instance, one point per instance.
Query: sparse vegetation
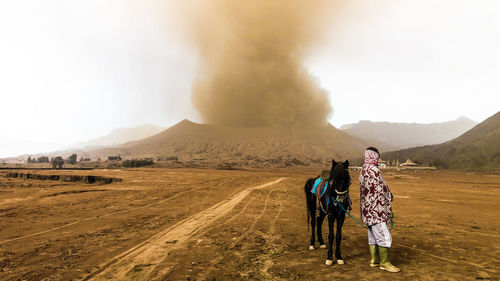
(41, 159)
(439, 163)
(296, 161)
(115, 158)
(134, 163)
(225, 166)
(72, 159)
(66, 178)
(57, 162)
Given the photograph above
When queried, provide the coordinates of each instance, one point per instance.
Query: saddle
(319, 189)
(321, 183)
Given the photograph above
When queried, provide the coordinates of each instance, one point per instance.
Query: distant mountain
(477, 148)
(404, 135)
(244, 147)
(23, 149)
(121, 136)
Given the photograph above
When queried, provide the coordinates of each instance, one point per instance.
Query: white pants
(378, 234)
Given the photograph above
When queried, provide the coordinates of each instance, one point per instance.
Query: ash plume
(250, 55)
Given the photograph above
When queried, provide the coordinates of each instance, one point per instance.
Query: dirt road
(188, 224)
(147, 255)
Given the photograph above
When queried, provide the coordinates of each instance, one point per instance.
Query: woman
(376, 210)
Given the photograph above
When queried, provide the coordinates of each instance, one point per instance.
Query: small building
(409, 163)
(383, 164)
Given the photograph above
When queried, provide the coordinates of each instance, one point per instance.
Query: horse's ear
(346, 164)
(334, 163)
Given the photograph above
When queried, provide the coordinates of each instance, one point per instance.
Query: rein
(362, 225)
(347, 212)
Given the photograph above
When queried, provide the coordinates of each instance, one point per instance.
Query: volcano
(212, 145)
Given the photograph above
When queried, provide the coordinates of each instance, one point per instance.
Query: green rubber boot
(385, 264)
(375, 261)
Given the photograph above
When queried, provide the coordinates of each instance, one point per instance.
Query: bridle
(342, 195)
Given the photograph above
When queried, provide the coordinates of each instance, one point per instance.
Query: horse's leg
(321, 218)
(340, 222)
(331, 220)
(312, 213)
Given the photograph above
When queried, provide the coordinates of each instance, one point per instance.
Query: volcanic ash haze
(250, 55)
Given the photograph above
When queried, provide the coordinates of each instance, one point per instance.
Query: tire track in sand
(220, 257)
(270, 242)
(250, 230)
(140, 261)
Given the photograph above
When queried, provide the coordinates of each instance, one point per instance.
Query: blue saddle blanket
(322, 184)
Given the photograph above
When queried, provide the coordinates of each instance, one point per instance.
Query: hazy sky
(75, 70)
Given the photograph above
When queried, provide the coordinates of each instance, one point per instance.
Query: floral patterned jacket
(375, 196)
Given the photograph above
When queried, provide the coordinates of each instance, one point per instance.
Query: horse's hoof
(311, 248)
(329, 262)
(322, 246)
(340, 262)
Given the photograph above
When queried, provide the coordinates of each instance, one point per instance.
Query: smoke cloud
(250, 55)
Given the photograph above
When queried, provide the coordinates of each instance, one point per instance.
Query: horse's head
(339, 176)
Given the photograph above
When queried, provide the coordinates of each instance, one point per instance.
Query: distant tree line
(72, 159)
(41, 159)
(134, 163)
(57, 162)
(84, 159)
(115, 158)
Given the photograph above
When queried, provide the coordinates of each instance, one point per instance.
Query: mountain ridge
(405, 135)
(121, 135)
(479, 147)
(253, 146)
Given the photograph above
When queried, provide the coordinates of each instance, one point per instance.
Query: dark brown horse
(337, 192)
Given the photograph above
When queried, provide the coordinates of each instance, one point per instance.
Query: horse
(337, 193)
(312, 205)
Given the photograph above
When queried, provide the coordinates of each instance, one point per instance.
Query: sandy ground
(188, 224)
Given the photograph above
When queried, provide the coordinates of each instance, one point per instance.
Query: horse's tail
(307, 190)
